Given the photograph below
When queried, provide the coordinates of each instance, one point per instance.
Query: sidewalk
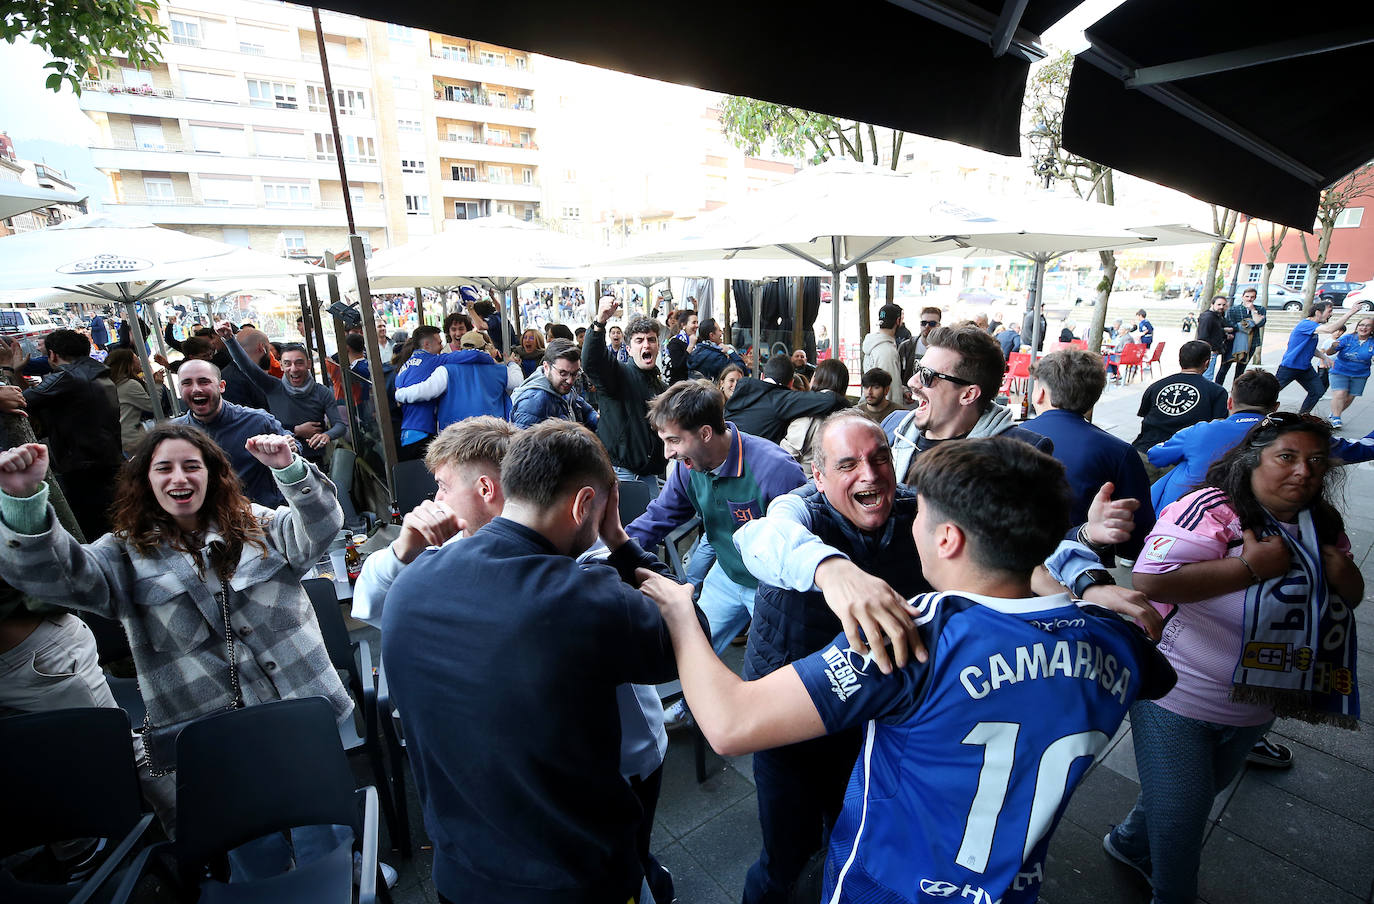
(1306, 834)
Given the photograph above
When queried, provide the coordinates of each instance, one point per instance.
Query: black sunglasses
(928, 378)
(930, 323)
(1286, 418)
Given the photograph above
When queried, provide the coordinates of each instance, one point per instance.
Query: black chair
(414, 484)
(394, 733)
(266, 769)
(71, 775)
(634, 500)
(353, 658)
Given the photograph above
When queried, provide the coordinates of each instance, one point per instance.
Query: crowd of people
(935, 650)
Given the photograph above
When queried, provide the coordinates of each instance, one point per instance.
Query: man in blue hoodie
(466, 383)
(550, 391)
(418, 416)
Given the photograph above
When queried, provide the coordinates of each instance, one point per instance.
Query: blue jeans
(1183, 764)
(1211, 371)
(649, 480)
(1308, 379)
(279, 852)
(726, 605)
(700, 560)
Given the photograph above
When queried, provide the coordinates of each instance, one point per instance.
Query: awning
(952, 69)
(1258, 114)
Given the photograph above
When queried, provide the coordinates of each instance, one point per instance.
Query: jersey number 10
(998, 740)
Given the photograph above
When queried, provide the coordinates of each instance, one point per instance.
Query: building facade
(1350, 257)
(39, 175)
(229, 137)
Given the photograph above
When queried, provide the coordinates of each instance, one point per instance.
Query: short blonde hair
(482, 439)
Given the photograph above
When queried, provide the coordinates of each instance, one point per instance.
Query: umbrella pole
(419, 307)
(1037, 332)
(315, 322)
(836, 291)
(305, 322)
(798, 328)
(376, 369)
(141, 349)
(758, 324)
(162, 349)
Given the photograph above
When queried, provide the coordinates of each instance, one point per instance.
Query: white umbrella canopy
(17, 198)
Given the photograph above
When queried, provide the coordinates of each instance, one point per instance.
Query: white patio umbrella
(17, 198)
(497, 252)
(126, 261)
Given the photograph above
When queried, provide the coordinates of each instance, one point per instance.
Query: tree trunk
(1223, 224)
(1271, 251)
(1314, 265)
(1104, 293)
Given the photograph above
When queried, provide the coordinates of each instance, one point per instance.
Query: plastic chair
(266, 769)
(394, 732)
(72, 776)
(1158, 352)
(634, 500)
(414, 484)
(1130, 360)
(1018, 371)
(353, 658)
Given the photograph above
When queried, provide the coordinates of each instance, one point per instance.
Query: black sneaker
(1268, 753)
(1115, 854)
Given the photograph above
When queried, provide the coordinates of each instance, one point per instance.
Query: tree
(83, 34)
(1334, 200)
(1091, 181)
(1271, 251)
(814, 137)
(1223, 224)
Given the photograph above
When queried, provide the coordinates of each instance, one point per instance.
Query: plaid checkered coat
(174, 625)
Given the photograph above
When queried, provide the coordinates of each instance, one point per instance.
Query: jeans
(55, 667)
(1308, 379)
(700, 560)
(1226, 365)
(727, 606)
(279, 852)
(1211, 371)
(653, 482)
(1183, 764)
(800, 792)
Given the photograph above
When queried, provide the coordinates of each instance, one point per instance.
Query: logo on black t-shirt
(1177, 399)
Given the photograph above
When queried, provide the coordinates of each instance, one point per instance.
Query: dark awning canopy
(953, 69)
(1258, 114)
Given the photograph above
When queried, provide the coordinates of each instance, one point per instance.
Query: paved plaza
(1306, 834)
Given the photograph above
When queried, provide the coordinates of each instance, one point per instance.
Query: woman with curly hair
(205, 583)
(1255, 570)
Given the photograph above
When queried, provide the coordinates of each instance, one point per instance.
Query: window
(186, 31)
(529, 214)
(458, 94)
(469, 210)
(222, 192)
(257, 40)
(287, 194)
(137, 78)
(351, 101)
(499, 174)
(498, 136)
(270, 143)
(315, 99)
(357, 149)
(210, 86)
(218, 140)
(1332, 272)
(403, 84)
(412, 166)
(1294, 274)
(1256, 273)
(524, 139)
(401, 34)
(464, 173)
(527, 176)
(252, 49)
(454, 53)
(522, 63)
(572, 213)
(408, 125)
(236, 236)
(158, 191)
(1349, 218)
(488, 58)
(355, 195)
(148, 136)
(293, 242)
(569, 175)
(265, 93)
(417, 205)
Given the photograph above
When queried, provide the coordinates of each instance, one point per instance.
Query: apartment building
(229, 136)
(39, 175)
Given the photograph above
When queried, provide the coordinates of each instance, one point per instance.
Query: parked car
(28, 325)
(1336, 292)
(1280, 296)
(980, 295)
(1362, 298)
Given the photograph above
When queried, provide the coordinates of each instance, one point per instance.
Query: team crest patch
(741, 513)
(1158, 548)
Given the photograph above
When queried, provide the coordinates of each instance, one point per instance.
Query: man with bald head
(230, 426)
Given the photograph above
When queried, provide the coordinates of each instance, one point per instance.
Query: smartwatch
(1091, 578)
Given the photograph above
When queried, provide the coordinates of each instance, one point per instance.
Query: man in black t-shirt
(1180, 400)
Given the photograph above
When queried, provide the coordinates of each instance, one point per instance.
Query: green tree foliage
(82, 34)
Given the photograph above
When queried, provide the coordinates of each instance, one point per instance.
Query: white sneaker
(677, 716)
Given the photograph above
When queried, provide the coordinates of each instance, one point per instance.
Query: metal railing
(490, 64)
(108, 87)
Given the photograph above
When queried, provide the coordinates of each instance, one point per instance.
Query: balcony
(123, 154)
(477, 107)
(490, 151)
(464, 190)
(486, 73)
(169, 103)
(184, 210)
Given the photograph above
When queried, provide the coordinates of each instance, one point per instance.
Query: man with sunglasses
(910, 351)
(954, 389)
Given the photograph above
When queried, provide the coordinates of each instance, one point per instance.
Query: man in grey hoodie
(880, 349)
(549, 392)
(955, 396)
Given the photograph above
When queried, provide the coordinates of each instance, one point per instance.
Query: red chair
(1018, 372)
(1080, 344)
(1130, 359)
(1154, 358)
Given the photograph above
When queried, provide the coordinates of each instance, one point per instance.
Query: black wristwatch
(1091, 578)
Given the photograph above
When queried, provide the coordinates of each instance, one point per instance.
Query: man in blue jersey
(1302, 347)
(419, 421)
(953, 794)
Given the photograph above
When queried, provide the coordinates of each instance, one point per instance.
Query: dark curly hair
(1231, 474)
(137, 518)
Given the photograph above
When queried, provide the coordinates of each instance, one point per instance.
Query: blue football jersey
(969, 758)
